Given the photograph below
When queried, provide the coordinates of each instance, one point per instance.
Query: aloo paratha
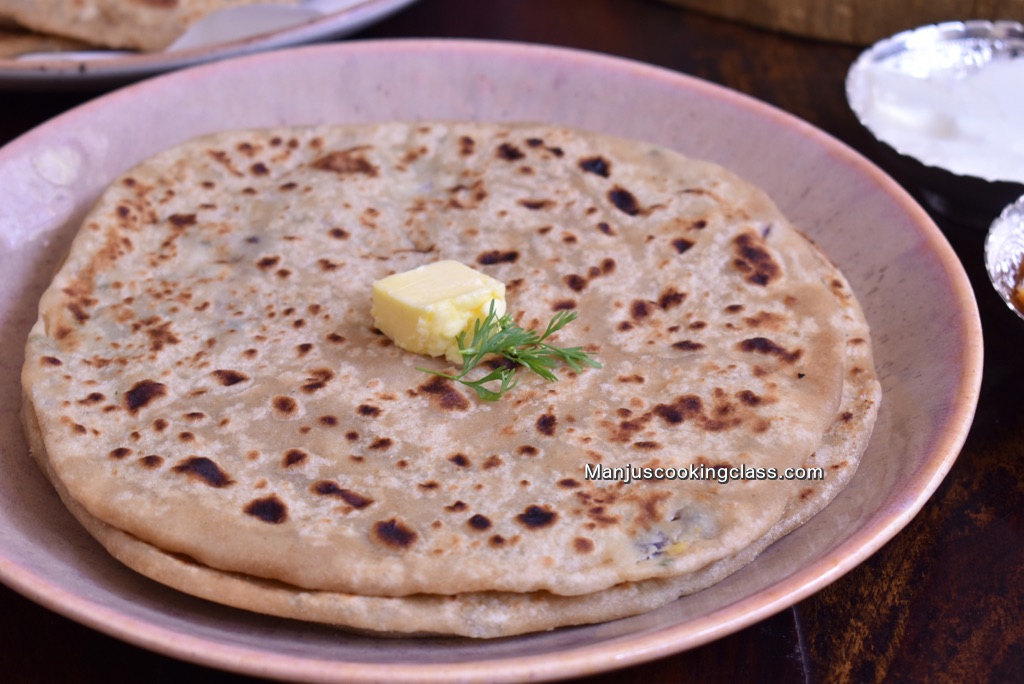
(146, 25)
(207, 382)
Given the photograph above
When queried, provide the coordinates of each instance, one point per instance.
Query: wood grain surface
(943, 601)
(859, 22)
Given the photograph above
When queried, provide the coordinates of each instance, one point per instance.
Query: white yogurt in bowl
(970, 123)
(951, 97)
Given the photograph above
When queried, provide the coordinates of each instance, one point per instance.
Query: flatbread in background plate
(206, 389)
(15, 41)
(145, 25)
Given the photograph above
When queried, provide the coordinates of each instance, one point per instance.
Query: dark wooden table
(943, 601)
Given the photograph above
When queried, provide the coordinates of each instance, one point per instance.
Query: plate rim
(632, 649)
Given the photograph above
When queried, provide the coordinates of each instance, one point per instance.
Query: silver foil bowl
(941, 49)
(1004, 254)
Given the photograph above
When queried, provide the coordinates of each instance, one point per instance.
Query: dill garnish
(503, 337)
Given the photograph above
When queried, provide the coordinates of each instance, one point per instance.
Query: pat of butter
(425, 309)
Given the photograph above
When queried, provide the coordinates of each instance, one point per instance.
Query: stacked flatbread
(146, 25)
(205, 388)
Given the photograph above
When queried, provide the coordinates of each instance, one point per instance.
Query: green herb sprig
(502, 336)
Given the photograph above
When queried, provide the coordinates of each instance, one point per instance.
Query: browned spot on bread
(284, 405)
(640, 309)
(142, 394)
(479, 522)
(547, 424)
(688, 406)
(670, 298)
(50, 361)
(346, 162)
(687, 345)
(91, 399)
(338, 233)
(444, 395)
(527, 450)
(596, 165)
(765, 319)
(182, 220)
(368, 410)
(754, 260)
(553, 149)
(203, 470)
(329, 421)
(228, 377)
(120, 452)
(749, 398)
(460, 460)
(624, 201)
(762, 345)
(328, 488)
(318, 379)
(509, 152)
(568, 483)
(493, 461)
(77, 428)
(293, 457)
(466, 145)
(536, 204)
(268, 262)
(394, 533)
(583, 545)
(159, 333)
(456, 507)
(682, 244)
(78, 312)
(575, 282)
(536, 517)
(268, 509)
(152, 461)
(497, 256)
(600, 515)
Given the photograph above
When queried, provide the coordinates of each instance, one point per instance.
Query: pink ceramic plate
(73, 72)
(917, 298)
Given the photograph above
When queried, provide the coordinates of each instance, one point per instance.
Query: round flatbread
(207, 379)
(146, 25)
